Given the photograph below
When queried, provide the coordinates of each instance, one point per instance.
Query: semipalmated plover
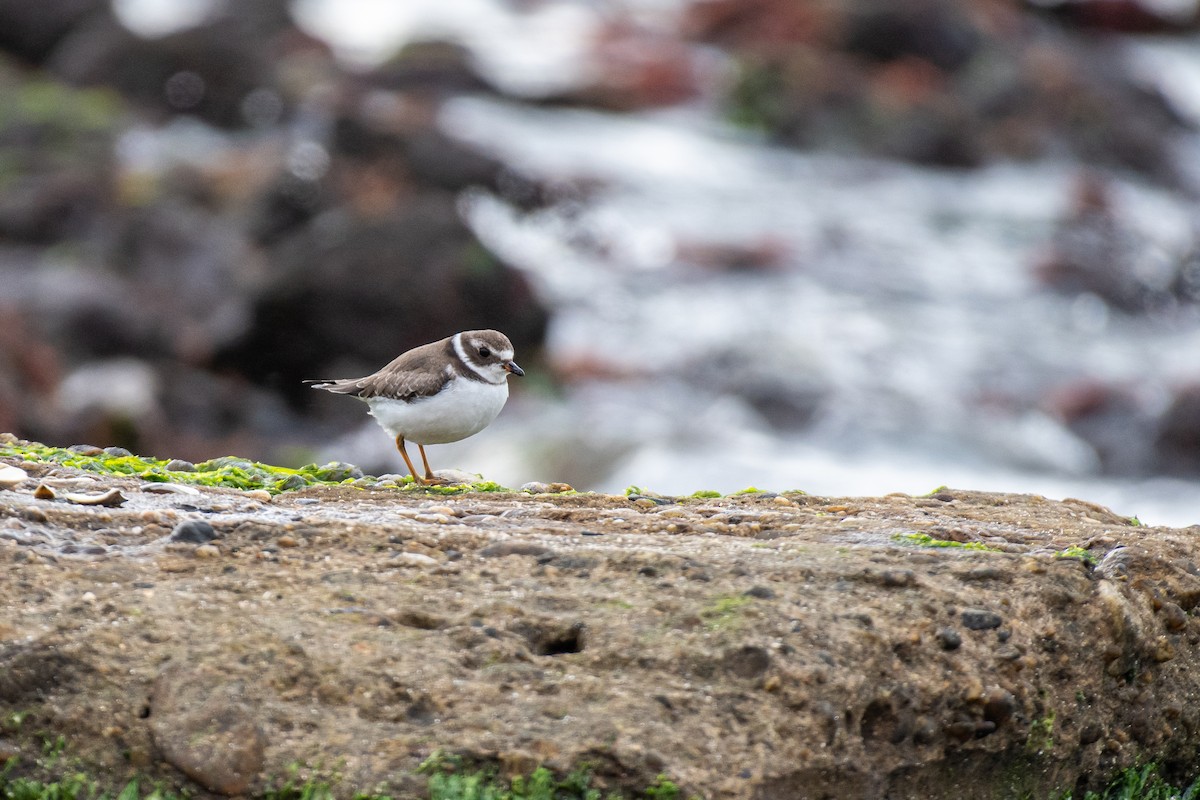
(437, 393)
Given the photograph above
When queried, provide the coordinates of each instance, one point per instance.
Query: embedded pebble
(949, 639)
(435, 519)
(10, 476)
(179, 465)
(117, 452)
(414, 560)
(978, 619)
(287, 540)
(44, 492)
(307, 501)
(538, 487)
(206, 551)
(261, 495)
(86, 449)
(195, 531)
(447, 510)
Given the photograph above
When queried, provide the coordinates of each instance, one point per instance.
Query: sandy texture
(756, 646)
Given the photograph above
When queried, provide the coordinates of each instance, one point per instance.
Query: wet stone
(193, 531)
(978, 619)
(949, 639)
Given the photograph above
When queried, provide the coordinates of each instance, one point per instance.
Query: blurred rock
(1177, 444)
(1095, 250)
(213, 71)
(936, 82)
(351, 293)
(32, 30)
(1116, 423)
(1123, 16)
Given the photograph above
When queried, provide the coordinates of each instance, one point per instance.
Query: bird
(439, 392)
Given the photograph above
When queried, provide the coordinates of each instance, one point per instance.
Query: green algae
(724, 611)
(925, 540)
(228, 471)
(1074, 551)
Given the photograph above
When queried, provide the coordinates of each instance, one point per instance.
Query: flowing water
(737, 314)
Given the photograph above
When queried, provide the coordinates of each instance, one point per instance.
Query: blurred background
(845, 246)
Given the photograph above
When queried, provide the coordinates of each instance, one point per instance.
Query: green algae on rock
(925, 540)
(227, 471)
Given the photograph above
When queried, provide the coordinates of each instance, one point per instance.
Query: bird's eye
(484, 352)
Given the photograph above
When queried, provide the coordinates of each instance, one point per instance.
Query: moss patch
(925, 540)
(227, 471)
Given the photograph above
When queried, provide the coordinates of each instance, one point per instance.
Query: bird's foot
(434, 480)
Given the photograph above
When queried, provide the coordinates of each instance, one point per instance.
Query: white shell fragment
(10, 476)
(112, 497)
(169, 488)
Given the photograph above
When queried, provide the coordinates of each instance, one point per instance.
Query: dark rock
(210, 70)
(1177, 442)
(978, 619)
(333, 295)
(896, 578)
(1089, 733)
(924, 732)
(761, 592)
(32, 30)
(117, 452)
(206, 729)
(193, 531)
(949, 639)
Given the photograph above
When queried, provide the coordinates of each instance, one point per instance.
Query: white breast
(462, 409)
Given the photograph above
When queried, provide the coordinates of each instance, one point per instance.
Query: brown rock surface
(751, 646)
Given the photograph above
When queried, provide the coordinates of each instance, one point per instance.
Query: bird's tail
(349, 386)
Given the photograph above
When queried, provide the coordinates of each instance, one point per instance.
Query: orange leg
(407, 460)
(428, 472)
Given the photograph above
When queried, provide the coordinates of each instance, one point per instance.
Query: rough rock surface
(754, 646)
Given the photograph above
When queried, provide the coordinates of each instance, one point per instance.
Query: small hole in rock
(568, 641)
